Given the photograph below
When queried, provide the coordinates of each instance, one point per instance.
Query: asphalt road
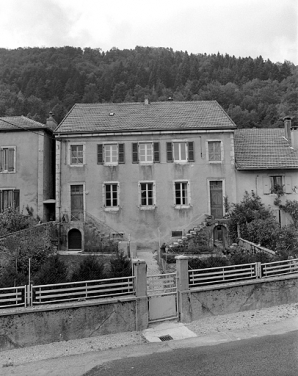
(263, 356)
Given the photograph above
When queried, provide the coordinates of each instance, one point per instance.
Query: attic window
(111, 113)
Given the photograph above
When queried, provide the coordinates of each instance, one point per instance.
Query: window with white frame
(111, 195)
(7, 159)
(182, 193)
(77, 154)
(9, 198)
(145, 152)
(180, 151)
(147, 195)
(215, 152)
(110, 154)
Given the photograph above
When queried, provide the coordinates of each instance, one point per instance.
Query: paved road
(266, 356)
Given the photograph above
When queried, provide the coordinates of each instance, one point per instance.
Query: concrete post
(184, 302)
(140, 273)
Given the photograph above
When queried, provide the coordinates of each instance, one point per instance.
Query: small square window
(7, 159)
(180, 151)
(277, 184)
(146, 153)
(111, 154)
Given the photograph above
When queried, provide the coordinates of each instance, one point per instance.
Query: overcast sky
(237, 27)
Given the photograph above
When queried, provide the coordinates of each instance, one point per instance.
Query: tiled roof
(171, 115)
(263, 149)
(19, 122)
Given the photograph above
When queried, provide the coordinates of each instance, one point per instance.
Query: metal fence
(161, 284)
(80, 291)
(13, 297)
(276, 268)
(222, 274)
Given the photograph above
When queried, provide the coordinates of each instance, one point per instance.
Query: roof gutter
(146, 133)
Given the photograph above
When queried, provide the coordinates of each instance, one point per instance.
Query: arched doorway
(74, 239)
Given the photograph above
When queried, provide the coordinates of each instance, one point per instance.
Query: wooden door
(216, 199)
(77, 203)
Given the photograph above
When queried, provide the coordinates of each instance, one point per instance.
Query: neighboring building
(267, 163)
(143, 169)
(27, 166)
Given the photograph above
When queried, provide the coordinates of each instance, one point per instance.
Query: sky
(237, 27)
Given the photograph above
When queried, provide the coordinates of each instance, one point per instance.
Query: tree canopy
(254, 92)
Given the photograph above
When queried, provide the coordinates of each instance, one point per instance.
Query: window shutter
(135, 158)
(100, 154)
(288, 184)
(191, 152)
(1, 160)
(10, 159)
(169, 152)
(17, 199)
(156, 152)
(121, 155)
(266, 185)
(188, 194)
(154, 193)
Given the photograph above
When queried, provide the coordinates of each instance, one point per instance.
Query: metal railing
(161, 284)
(222, 274)
(13, 297)
(276, 268)
(83, 290)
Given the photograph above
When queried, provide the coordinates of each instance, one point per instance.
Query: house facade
(266, 161)
(27, 166)
(147, 170)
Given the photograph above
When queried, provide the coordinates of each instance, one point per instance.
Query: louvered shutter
(191, 152)
(169, 152)
(10, 158)
(266, 185)
(100, 154)
(121, 154)
(17, 199)
(156, 152)
(135, 158)
(288, 184)
(1, 160)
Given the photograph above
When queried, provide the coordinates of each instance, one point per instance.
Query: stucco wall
(237, 297)
(148, 225)
(40, 326)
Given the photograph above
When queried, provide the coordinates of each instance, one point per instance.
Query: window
(110, 154)
(180, 151)
(77, 202)
(276, 183)
(77, 154)
(145, 152)
(9, 198)
(111, 195)
(215, 151)
(147, 195)
(7, 159)
(182, 194)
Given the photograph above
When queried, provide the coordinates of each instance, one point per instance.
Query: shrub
(208, 262)
(263, 232)
(10, 277)
(89, 269)
(120, 266)
(52, 271)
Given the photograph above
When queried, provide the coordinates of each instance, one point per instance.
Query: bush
(89, 269)
(208, 262)
(52, 271)
(10, 277)
(263, 232)
(120, 266)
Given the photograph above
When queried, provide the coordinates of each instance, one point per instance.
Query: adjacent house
(146, 170)
(27, 166)
(267, 163)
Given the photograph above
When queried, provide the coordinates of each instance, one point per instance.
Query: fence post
(184, 301)
(140, 273)
(258, 270)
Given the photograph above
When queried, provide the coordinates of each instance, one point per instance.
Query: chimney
(146, 101)
(51, 122)
(291, 133)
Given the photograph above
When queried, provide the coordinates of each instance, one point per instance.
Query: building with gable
(27, 166)
(147, 170)
(266, 161)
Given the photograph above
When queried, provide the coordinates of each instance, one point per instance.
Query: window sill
(111, 164)
(113, 209)
(179, 207)
(152, 207)
(215, 162)
(77, 165)
(181, 162)
(7, 172)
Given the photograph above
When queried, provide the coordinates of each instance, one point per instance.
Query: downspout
(257, 184)
(58, 189)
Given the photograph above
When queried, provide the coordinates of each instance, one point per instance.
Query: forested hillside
(254, 92)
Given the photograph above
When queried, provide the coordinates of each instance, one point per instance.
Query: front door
(216, 199)
(77, 202)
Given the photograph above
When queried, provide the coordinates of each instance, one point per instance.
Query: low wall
(41, 325)
(236, 297)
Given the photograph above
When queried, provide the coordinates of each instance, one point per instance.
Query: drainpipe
(257, 184)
